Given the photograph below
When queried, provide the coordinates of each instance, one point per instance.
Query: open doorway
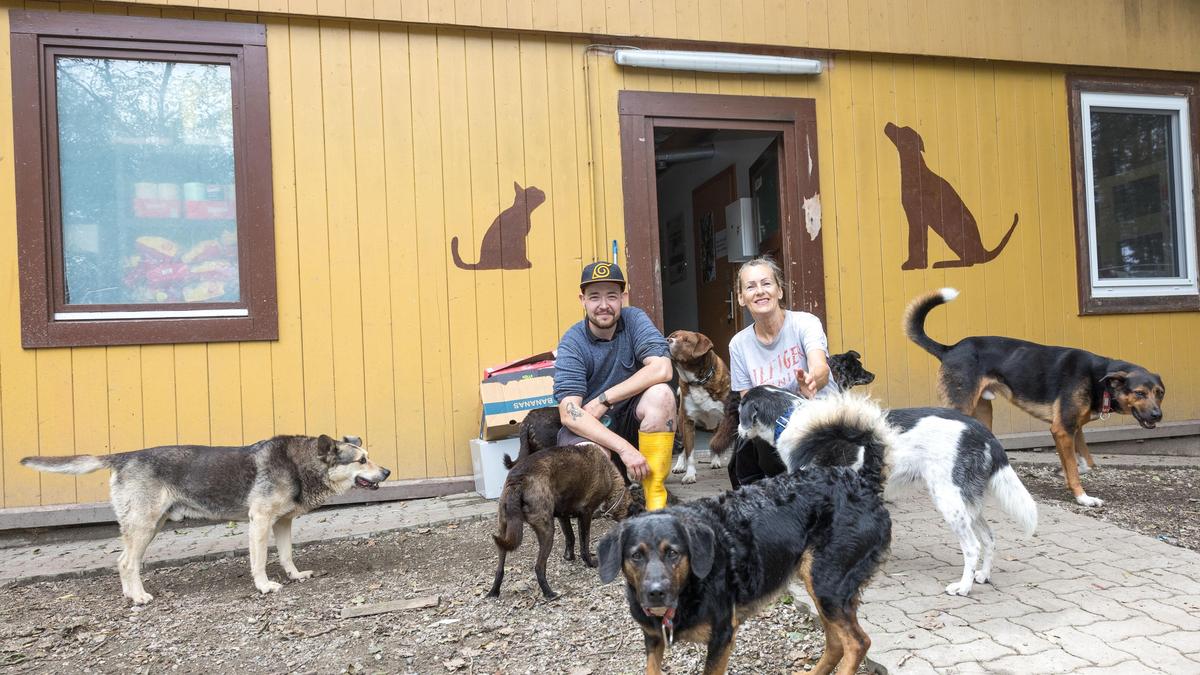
(693, 162)
(707, 182)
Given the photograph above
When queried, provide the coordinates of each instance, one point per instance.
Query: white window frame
(1177, 107)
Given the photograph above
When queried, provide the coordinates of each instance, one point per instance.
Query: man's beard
(593, 321)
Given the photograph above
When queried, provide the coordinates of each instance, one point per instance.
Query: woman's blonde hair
(764, 260)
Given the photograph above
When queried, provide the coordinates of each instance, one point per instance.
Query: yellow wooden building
(387, 196)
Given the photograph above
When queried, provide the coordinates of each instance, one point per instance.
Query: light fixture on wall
(716, 62)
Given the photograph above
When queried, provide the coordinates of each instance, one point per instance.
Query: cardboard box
(487, 461)
(509, 391)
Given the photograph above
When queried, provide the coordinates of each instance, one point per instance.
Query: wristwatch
(603, 398)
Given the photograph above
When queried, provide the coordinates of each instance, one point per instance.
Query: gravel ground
(1160, 502)
(207, 617)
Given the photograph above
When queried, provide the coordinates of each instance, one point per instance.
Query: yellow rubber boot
(656, 448)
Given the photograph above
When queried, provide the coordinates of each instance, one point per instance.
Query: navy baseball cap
(602, 271)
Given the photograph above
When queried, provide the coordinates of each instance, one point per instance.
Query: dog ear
(704, 345)
(854, 354)
(701, 547)
(1117, 377)
(352, 440)
(326, 447)
(611, 552)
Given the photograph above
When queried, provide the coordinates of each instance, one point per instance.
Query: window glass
(1138, 233)
(146, 169)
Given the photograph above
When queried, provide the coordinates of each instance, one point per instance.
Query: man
(611, 382)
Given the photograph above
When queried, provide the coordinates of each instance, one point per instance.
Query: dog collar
(703, 379)
(781, 423)
(1106, 408)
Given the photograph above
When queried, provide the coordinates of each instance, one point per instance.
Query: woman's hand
(807, 383)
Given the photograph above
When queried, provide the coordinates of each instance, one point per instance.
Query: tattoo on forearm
(670, 425)
(574, 412)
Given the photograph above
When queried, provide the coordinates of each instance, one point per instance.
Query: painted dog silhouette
(931, 203)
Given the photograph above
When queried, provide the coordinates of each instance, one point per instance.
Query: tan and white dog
(268, 483)
(703, 388)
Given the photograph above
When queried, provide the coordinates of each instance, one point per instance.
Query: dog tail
(1016, 501)
(840, 430)
(510, 523)
(70, 464)
(914, 319)
(991, 255)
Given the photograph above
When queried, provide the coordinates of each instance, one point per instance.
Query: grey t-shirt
(586, 365)
(752, 363)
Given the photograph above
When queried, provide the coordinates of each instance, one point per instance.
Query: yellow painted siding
(1158, 34)
(388, 140)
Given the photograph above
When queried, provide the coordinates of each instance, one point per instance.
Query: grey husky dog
(268, 483)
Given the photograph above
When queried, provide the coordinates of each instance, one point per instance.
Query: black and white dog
(958, 460)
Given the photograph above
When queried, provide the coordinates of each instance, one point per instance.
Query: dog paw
(959, 588)
(141, 598)
(716, 462)
(269, 587)
(680, 465)
(300, 576)
(1085, 500)
(589, 560)
(982, 577)
(568, 555)
(689, 477)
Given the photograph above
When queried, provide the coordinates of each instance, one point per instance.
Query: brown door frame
(794, 118)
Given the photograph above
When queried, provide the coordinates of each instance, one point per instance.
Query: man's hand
(807, 383)
(595, 408)
(635, 464)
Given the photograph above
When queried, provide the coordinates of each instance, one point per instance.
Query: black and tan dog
(574, 481)
(698, 570)
(1064, 386)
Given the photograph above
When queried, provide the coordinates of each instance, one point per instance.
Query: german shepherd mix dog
(698, 570)
(703, 388)
(571, 481)
(1063, 386)
(268, 483)
(954, 456)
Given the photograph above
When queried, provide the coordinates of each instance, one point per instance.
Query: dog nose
(386, 473)
(656, 596)
(1156, 415)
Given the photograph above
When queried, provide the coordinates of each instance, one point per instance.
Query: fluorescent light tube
(716, 62)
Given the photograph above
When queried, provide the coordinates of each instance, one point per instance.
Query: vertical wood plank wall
(390, 139)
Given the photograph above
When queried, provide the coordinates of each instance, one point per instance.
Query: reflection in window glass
(1133, 166)
(146, 172)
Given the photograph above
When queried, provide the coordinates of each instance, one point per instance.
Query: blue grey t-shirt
(586, 365)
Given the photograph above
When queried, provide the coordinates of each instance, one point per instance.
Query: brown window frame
(35, 38)
(1090, 304)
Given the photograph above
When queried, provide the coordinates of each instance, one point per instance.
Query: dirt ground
(1163, 503)
(207, 617)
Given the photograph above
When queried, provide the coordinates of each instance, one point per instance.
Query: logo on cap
(601, 271)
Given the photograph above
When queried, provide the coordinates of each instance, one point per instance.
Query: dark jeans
(753, 460)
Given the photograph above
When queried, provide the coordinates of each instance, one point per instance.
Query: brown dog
(931, 203)
(703, 388)
(573, 481)
(1064, 386)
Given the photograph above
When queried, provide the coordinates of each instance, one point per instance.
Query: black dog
(697, 570)
(1063, 386)
(846, 370)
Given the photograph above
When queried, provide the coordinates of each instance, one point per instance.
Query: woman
(781, 347)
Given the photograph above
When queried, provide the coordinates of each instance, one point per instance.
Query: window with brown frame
(1132, 146)
(143, 176)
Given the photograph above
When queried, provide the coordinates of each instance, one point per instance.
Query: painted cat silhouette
(504, 246)
(931, 203)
